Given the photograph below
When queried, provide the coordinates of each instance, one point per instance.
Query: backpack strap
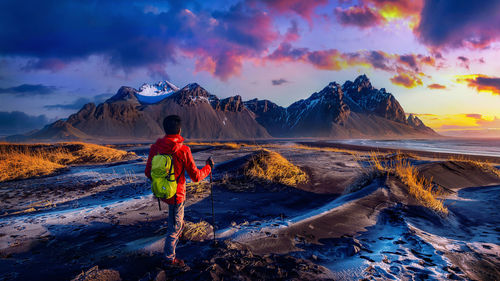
(171, 168)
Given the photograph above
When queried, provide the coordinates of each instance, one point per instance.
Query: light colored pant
(175, 224)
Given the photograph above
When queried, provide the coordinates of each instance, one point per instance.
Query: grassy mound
(197, 231)
(198, 189)
(95, 273)
(485, 166)
(20, 161)
(270, 166)
(419, 187)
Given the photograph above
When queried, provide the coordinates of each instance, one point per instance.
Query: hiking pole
(212, 198)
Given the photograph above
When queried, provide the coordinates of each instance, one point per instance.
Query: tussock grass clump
(20, 161)
(418, 187)
(198, 188)
(270, 166)
(95, 274)
(36, 206)
(398, 155)
(485, 166)
(196, 231)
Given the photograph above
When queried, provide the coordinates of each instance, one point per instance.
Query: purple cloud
(460, 23)
(280, 81)
(464, 62)
(362, 17)
(132, 36)
(29, 89)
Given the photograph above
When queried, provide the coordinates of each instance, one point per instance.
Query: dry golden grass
(490, 167)
(36, 206)
(20, 161)
(375, 162)
(485, 166)
(96, 274)
(198, 188)
(196, 231)
(419, 187)
(270, 166)
(398, 155)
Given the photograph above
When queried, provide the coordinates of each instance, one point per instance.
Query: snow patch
(200, 99)
(154, 93)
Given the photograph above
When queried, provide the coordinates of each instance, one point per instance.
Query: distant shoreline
(421, 153)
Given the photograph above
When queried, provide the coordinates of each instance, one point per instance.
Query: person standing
(172, 144)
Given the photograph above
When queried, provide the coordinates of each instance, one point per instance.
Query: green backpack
(163, 183)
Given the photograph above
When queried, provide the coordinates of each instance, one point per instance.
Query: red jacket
(183, 161)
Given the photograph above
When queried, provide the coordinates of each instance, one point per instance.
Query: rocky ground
(62, 226)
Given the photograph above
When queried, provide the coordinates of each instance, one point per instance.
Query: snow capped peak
(148, 93)
(160, 88)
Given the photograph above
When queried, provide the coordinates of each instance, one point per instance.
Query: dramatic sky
(440, 59)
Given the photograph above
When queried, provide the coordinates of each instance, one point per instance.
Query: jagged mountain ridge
(355, 109)
(124, 116)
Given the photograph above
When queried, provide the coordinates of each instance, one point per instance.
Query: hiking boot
(176, 262)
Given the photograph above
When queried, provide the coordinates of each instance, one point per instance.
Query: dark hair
(172, 125)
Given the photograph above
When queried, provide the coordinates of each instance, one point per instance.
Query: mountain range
(352, 110)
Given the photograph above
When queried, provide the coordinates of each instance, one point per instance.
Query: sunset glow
(481, 83)
(241, 47)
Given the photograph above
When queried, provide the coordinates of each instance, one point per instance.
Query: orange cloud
(481, 82)
(407, 67)
(392, 10)
(436, 86)
(406, 80)
(327, 59)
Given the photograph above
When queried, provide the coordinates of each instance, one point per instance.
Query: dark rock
(355, 109)
(124, 117)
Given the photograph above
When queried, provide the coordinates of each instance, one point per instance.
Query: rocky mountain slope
(355, 109)
(126, 116)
